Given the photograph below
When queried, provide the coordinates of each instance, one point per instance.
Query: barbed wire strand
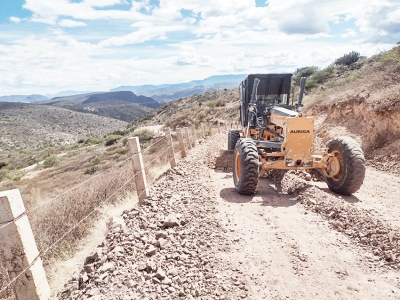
(155, 143)
(148, 185)
(77, 224)
(78, 185)
(84, 218)
(65, 234)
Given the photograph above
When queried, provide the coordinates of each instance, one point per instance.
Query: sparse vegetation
(348, 59)
(373, 82)
(112, 139)
(50, 161)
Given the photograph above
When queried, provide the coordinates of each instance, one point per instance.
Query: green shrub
(96, 160)
(91, 170)
(50, 161)
(32, 160)
(304, 72)
(144, 135)
(92, 141)
(3, 164)
(211, 104)
(112, 139)
(348, 59)
(201, 115)
(392, 55)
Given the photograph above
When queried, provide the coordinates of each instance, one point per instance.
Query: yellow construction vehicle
(275, 134)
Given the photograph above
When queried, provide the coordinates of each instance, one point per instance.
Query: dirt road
(195, 237)
(288, 251)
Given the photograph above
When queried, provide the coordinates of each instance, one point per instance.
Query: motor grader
(275, 134)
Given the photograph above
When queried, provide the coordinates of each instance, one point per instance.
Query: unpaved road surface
(196, 238)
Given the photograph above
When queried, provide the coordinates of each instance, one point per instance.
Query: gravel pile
(364, 227)
(168, 249)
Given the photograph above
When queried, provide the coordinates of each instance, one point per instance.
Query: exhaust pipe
(254, 92)
(302, 86)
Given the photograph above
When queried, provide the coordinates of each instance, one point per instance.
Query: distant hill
(23, 98)
(67, 93)
(169, 92)
(116, 109)
(200, 89)
(124, 106)
(30, 126)
(126, 96)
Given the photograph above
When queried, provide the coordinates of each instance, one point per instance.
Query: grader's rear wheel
(245, 166)
(347, 165)
(233, 136)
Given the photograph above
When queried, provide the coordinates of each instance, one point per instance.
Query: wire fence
(103, 189)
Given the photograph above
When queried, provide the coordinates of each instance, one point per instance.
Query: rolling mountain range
(160, 93)
(169, 92)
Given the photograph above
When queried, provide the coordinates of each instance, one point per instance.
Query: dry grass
(55, 203)
(196, 110)
(375, 83)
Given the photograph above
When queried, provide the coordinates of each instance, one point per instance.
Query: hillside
(126, 96)
(359, 231)
(28, 126)
(23, 98)
(169, 92)
(115, 109)
(207, 109)
(363, 101)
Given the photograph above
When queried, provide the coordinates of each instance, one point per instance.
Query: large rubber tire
(245, 166)
(352, 166)
(233, 136)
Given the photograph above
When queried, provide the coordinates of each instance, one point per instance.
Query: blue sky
(47, 46)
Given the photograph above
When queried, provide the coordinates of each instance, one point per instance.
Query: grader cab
(275, 134)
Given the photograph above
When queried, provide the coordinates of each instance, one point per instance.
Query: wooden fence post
(187, 138)
(181, 142)
(202, 129)
(19, 250)
(193, 129)
(171, 147)
(138, 168)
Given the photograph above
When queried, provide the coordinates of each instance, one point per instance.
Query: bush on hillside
(304, 72)
(392, 55)
(319, 77)
(144, 135)
(348, 59)
(112, 139)
(50, 161)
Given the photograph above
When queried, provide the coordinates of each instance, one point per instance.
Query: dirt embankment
(371, 115)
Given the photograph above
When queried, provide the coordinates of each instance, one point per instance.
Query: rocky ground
(195, 237)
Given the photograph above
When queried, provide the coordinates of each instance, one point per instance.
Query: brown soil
(196, 237)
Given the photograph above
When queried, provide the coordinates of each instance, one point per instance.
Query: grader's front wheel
(347, 165)
(245, 166)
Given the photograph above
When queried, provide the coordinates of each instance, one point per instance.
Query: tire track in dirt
(308, 256)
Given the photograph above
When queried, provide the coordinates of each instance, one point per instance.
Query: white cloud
(104, 3)
(15, 19)
(192, 39)
(188, 56)
(145, 33)
(71, 23)
(349, 33)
